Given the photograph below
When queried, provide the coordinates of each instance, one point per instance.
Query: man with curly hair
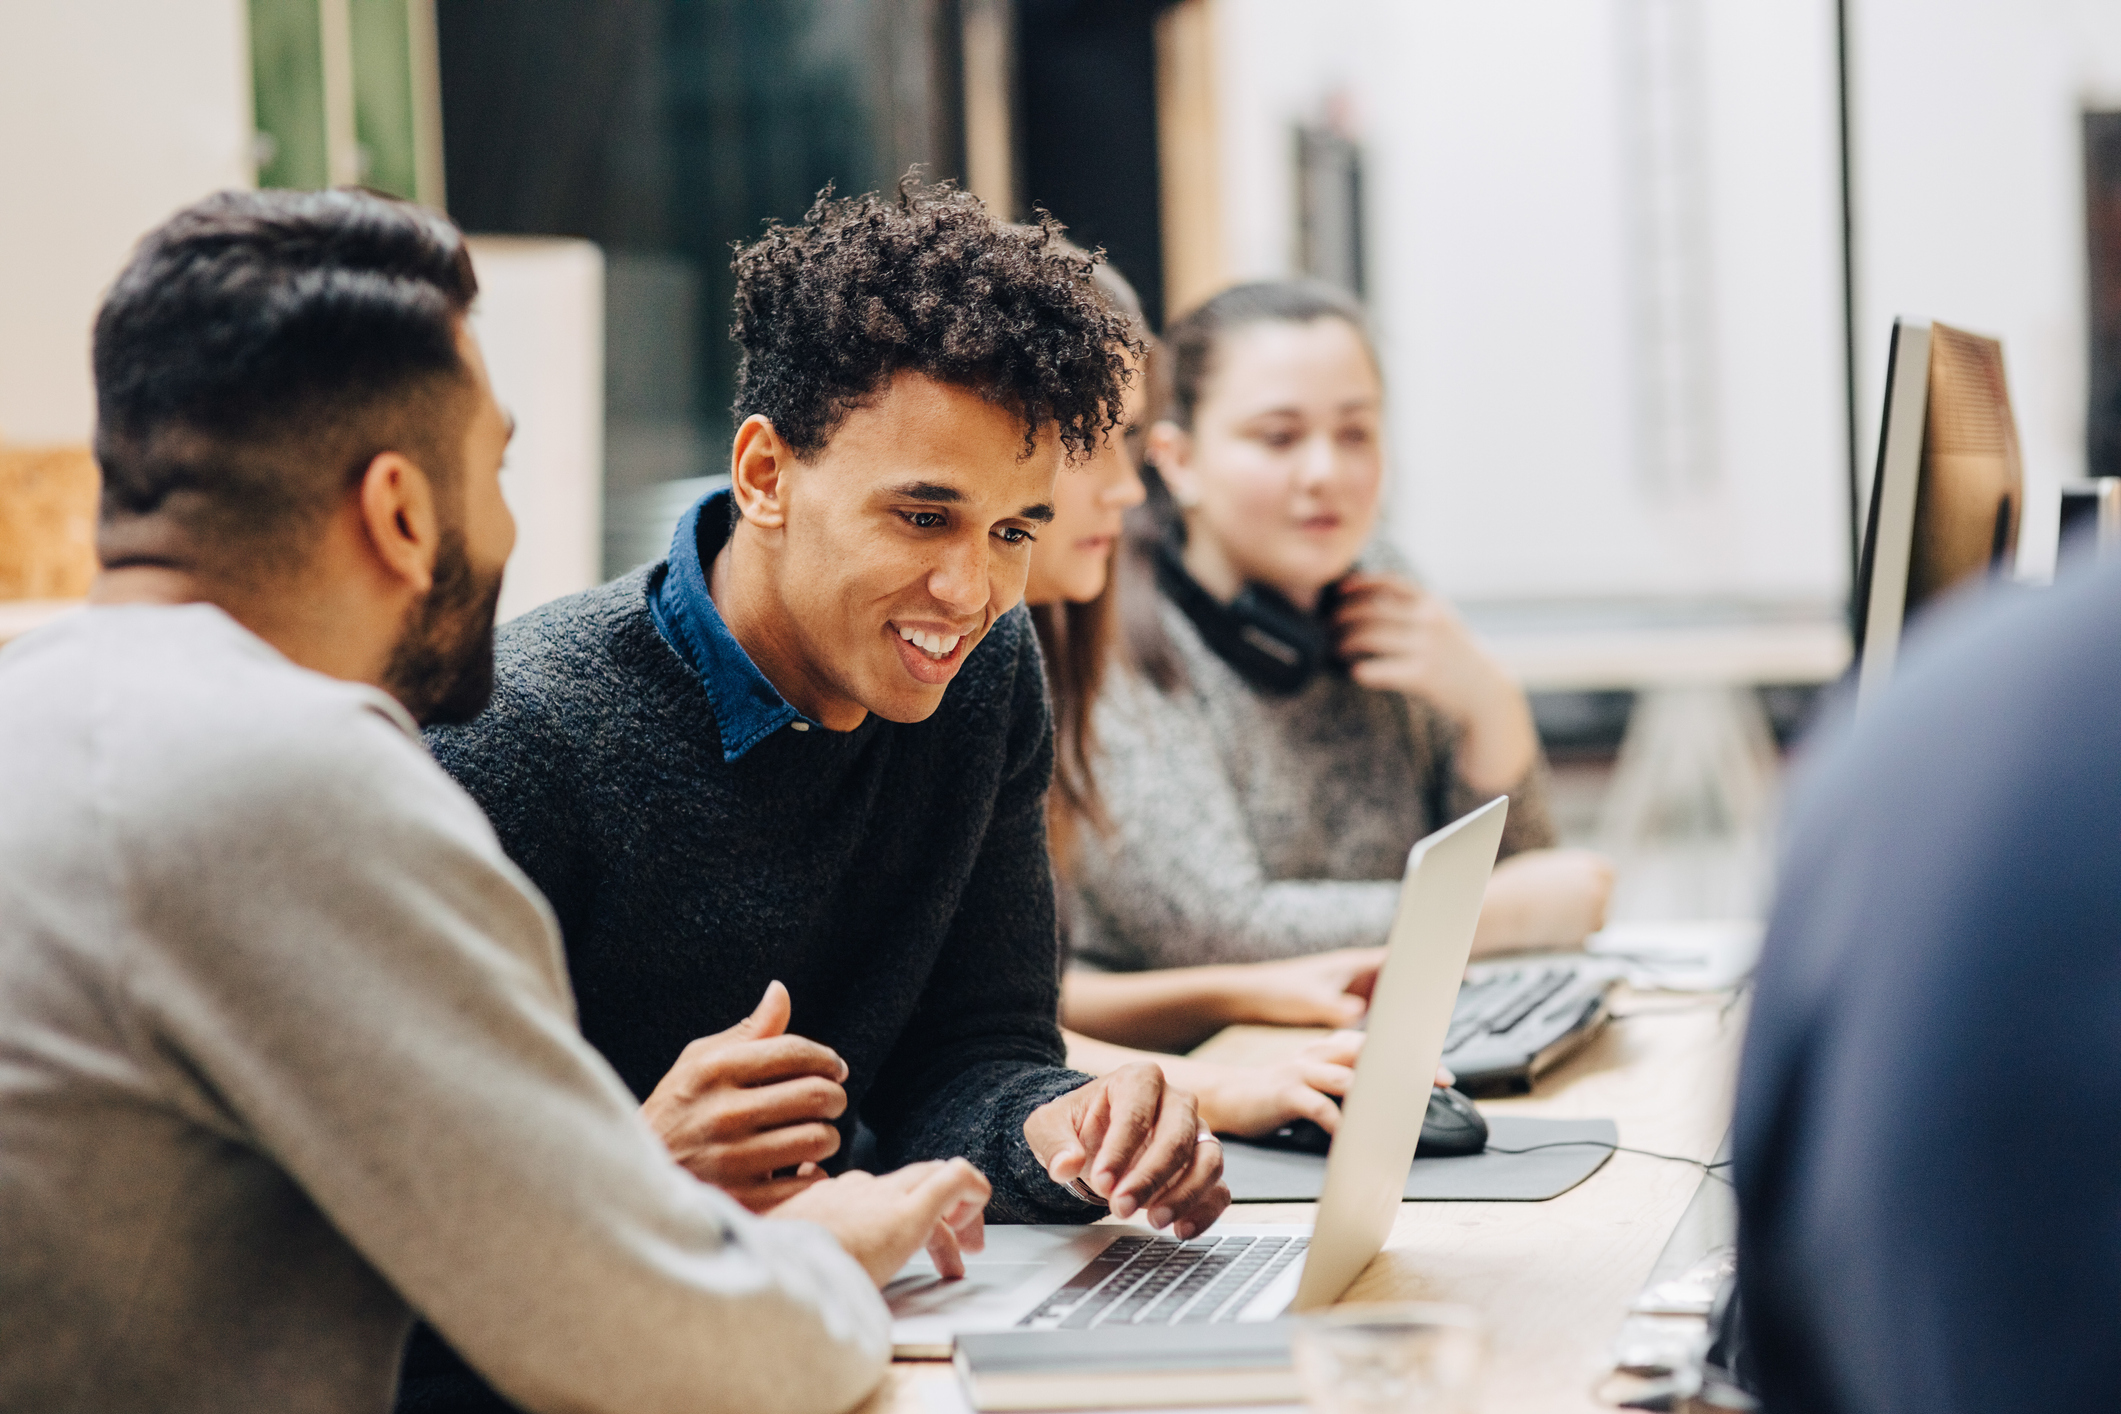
(785, 789)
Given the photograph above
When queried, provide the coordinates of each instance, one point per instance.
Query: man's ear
(398, 513)
(759, 463)
(1170, 451)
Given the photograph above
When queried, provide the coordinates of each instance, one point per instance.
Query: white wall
(1500, 232)
(1970, 200)
(113, 113)
(540, 323)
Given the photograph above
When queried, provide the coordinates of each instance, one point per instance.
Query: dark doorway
(1086, 86)
(667, 131)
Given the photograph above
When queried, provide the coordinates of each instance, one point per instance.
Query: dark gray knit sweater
(895, 877)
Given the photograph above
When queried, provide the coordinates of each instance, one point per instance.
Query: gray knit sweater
(894, 877)
(1248, 826)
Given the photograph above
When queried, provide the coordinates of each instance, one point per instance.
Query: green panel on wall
(383, 96)
(287, 77)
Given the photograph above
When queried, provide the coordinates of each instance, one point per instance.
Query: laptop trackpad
(1021, 1266)
(924, 1295)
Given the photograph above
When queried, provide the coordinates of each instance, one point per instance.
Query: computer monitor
(1949, 490)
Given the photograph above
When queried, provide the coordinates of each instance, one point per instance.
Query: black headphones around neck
(1267, 640)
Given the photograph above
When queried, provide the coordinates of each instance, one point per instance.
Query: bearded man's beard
(442, 667)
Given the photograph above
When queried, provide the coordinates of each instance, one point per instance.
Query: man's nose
(1126, 489)
(959, 581)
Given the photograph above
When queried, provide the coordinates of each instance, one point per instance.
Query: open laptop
(1072, 1278)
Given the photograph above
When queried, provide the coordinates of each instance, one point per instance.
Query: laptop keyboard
(1161, 1281)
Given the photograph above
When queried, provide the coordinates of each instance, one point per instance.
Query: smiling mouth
(939, 647)
(931, 656)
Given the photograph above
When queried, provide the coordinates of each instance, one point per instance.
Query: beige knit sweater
(287, 1052)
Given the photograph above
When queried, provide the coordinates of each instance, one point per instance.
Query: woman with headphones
(1300, 713)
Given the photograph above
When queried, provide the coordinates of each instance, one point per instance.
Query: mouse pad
(1260, 1175)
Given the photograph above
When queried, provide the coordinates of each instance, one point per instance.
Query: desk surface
(1553, 1279)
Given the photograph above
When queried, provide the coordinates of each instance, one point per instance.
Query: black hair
(827, 311)
(259, 350)
(1185, 362)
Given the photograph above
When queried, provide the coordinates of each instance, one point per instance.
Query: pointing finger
(943, 1251)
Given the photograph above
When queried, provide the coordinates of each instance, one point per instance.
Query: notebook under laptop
(1072, 1278)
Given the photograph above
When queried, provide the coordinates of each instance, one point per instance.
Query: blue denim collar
(747, 708)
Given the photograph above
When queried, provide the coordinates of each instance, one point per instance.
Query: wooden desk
(1553, 1279)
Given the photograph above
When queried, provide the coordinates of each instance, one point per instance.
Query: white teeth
(935, 645)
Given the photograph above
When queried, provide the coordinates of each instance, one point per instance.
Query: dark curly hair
(866, 287)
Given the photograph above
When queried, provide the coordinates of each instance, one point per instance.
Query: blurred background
(1632, 264)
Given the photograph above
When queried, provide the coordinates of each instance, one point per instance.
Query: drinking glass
(1389, 1359)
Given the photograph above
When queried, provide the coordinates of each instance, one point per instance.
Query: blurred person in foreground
(1928, 1126)
(1073, 596)
(1261, 800)
(786, 788)
(287, 1049)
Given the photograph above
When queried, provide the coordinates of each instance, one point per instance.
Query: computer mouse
(1452, 1128)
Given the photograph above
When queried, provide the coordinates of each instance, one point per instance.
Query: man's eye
(1015, 535)
(927, 520)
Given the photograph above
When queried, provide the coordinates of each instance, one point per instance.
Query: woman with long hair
(1302, 711)
(1073, 596)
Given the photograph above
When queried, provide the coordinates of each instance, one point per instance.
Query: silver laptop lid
(1410, 1011)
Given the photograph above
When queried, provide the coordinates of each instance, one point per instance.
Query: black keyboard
(1161, 1281)
(1516, 1019)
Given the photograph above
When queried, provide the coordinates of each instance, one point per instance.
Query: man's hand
(1323, 989)
(1403, 639)
(883, 1219)
(1137, 1144)
(747, 1104)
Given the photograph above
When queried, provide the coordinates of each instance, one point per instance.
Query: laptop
(1109, 1274)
